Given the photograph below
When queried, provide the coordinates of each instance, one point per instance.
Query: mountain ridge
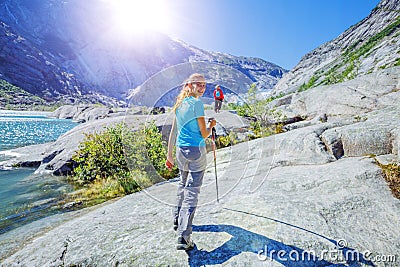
(370, 45)
(45, 52)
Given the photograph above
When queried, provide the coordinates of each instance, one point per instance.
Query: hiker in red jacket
(218, 98)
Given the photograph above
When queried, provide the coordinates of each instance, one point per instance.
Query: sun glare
(140, 16)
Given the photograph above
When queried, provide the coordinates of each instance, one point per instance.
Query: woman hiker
(188, 133)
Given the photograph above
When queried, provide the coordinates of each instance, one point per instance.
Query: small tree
(266, 120)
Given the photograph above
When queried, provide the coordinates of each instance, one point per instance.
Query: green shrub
(232, 106)
(349, 72)
(271, 98)
(120, 161)
(101, 156)
(264, 131)
(156, 150)
(225, 141)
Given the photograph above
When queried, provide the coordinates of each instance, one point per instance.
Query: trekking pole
(215, 159)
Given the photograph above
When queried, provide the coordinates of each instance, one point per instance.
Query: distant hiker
(188, 133)
(218, 98)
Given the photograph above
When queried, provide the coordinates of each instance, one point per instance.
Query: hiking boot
(175, 225)
(184, 244)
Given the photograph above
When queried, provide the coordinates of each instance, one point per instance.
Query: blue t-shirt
(186, 119)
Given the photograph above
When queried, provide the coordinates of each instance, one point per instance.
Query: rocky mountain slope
(370, 45)
(12, 97)
(57, 49)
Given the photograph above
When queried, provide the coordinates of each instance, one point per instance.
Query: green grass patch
(391, 173)
(309, 84)
(372, 42)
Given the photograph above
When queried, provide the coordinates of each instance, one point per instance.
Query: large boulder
(377, 135)
(364, 110)
(81, 113)
(352, 98)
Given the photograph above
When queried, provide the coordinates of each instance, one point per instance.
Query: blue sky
(279, 31)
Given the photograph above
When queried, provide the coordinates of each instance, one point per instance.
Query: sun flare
(139, 16)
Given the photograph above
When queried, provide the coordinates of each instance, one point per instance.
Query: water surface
(25, 196)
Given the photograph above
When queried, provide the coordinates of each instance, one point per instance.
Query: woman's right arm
(171, 142)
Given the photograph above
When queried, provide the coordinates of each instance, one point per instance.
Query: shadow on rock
(265, 249)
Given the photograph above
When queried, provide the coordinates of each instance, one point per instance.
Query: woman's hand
(204, 130)
(169, 163)
(212, 122)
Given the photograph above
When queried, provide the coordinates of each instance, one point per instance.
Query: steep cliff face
(33, 69)
(370, 45)
(57, 48)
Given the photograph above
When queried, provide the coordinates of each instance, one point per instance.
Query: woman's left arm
(206, 131)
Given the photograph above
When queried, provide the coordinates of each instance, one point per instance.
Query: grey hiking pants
(190, 160)
(217, 105)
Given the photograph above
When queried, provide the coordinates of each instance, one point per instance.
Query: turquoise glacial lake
(25, 196)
